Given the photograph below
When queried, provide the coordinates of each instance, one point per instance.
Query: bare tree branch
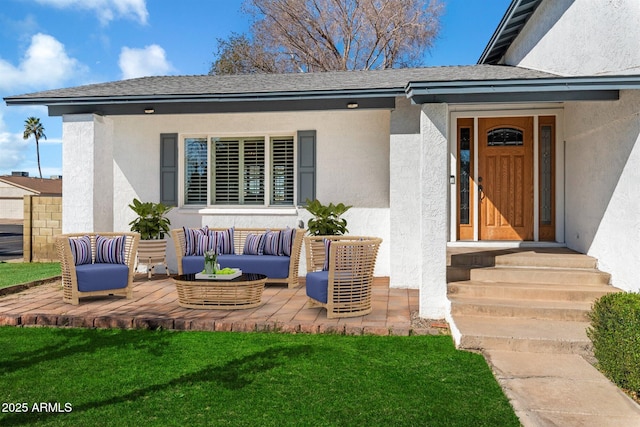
(322, 35)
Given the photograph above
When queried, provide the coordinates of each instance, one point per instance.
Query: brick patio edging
(14, 289)
(180, 324)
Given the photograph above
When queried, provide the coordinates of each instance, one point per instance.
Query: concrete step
(525, 335)
(529, 291)
(533, 309)
(538, 257)
(547, 260)
(540, 275)
(458, 274)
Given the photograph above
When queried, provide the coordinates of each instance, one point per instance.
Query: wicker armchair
(343, 284)
(93, 276)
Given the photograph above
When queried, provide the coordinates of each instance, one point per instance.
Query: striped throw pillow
(286, 241)
(225, 242)
(206, 242)
(254, 244)
(110, 251)
(81, 250)
(191, 239)
(272, 243)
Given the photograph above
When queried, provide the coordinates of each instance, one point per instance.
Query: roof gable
(514, 19)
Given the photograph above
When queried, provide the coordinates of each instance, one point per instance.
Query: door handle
(480, 192)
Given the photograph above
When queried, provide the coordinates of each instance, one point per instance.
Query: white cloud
(44, 65)
(106, 10)
(150, 61)
(12, 147)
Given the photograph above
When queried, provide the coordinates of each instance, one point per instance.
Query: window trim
(209, 208)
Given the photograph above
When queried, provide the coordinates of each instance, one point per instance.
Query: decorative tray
(204, 276)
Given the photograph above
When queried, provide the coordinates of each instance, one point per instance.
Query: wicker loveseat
(280, 268)
(97, 264)
(340, 273)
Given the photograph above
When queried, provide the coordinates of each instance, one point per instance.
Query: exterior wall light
(149, 111)
(352, 105)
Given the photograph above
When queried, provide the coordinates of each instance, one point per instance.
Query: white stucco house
(536, 144)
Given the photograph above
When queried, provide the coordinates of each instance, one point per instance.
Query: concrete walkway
(561, 390)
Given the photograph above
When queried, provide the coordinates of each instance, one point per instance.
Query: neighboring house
(537, 144)
(14, 187)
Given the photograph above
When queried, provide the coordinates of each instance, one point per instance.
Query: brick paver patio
(155, 305)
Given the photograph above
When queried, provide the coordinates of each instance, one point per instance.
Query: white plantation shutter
(238, 177)
(241, 171)
(282, 171)
(195, 164)
(253, 172)
(226, 171)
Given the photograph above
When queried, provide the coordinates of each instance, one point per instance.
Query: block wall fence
(42, 222)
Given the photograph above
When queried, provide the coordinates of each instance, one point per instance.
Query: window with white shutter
(225, 158)
(253, 172)
(239, 171)
(195, 166)
(282, 171)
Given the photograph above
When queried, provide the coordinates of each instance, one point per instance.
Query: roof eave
(34, 191)
(213, 103)
(213, 97)
(531, 90)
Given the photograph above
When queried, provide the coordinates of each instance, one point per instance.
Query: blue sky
(48, 44)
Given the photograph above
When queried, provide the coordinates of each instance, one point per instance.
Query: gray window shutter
(169, 169)
(306, 166)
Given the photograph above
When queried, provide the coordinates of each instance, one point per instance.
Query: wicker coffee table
(244, 291)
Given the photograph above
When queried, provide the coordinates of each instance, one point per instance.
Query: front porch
(155, 305)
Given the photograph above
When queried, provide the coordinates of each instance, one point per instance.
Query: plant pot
(152, 253)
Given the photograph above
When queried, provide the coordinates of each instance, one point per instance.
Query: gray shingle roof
(391, 80)
(482, 83)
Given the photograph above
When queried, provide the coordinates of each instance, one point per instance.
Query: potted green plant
(152, 224)
(326, 220)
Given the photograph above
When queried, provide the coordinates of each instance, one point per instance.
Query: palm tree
(32, 126)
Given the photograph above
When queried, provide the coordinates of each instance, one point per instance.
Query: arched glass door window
(504, 137)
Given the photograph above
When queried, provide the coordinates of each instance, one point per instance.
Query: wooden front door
(505, 178)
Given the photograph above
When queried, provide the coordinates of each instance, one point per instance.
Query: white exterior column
(434, 186)
(87, 165)
(404, 196)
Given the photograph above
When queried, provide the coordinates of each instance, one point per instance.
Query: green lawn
(15, 273)
(158, 378)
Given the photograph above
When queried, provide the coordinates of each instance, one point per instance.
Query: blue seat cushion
(101, 277)
(272, 266)
(317, 284)
(192, 264)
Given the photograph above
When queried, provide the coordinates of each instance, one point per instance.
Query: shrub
(615, 333)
